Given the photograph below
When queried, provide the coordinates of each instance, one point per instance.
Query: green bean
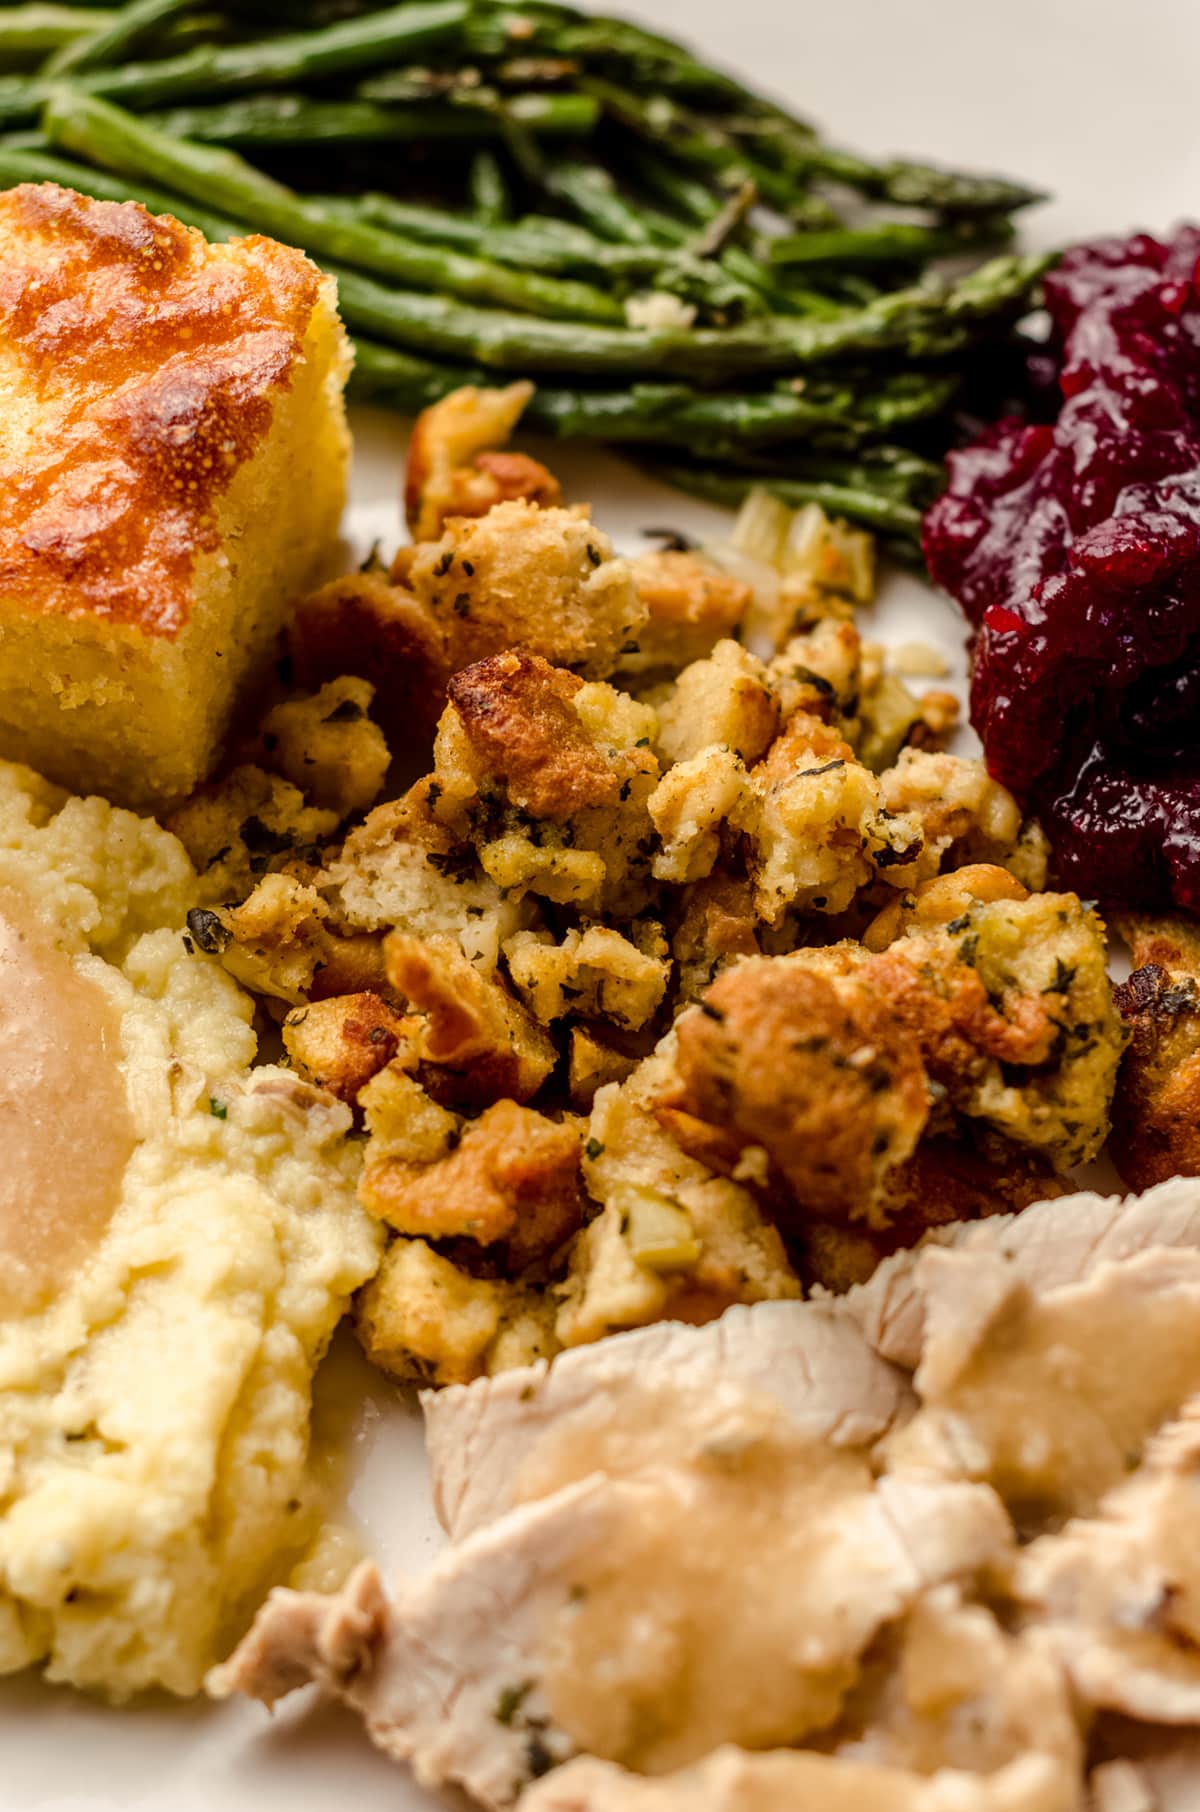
(893, 242)
(675, 414)
(106, 44)
(923, 323)
(491, 203)
(217, 69)
(91, 127)
(874, 510)
(18, 166)
(294, 119)
(31, 32)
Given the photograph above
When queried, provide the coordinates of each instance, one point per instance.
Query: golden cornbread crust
(149, 360)
(172, 470)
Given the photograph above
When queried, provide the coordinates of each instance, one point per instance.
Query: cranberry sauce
(1074, 550)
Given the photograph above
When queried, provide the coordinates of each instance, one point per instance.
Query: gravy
(734, 1603)
(66, 1133)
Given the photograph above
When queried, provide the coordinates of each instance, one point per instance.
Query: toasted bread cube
(173, 455)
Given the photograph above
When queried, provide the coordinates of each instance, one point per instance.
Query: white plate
(1095, 100)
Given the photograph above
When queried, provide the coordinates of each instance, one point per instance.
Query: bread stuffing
(772, 975)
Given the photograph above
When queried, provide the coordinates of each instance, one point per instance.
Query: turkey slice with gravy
(1049, 1244)
(791, 1781)
(1118, 1594)
(484, 1439)
(725, 1592)
(1050, 1397)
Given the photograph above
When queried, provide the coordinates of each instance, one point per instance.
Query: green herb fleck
(816, 680)
(510, 1701)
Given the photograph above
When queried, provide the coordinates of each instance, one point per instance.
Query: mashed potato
(179, 1236)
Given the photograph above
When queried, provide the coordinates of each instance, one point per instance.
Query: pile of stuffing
(681, 965)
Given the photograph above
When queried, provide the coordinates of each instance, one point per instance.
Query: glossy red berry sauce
(1074, 550)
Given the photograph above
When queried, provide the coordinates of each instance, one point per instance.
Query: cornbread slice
(173, 457)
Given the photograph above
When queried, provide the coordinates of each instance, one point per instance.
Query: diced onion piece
(762, 528)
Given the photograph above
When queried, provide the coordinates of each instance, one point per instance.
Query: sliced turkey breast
(1118, 1595)
(792, 1781)
(1050, 1396)
(725, 1593)
(1143, 1767)
(809, 1357)
(1050, 1244)
(947, 1687)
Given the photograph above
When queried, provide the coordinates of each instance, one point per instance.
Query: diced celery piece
(831, 554)
(889, 712)
(659, 1233)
